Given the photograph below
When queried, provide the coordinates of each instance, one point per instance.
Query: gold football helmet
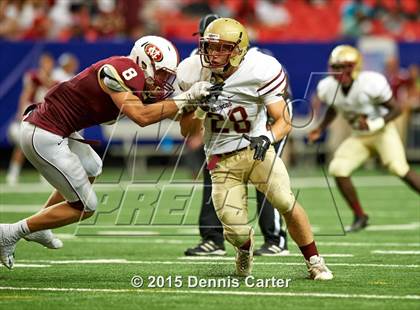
(343, 56)
(225, 42)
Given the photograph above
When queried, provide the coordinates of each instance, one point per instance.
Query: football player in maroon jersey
(101, 93)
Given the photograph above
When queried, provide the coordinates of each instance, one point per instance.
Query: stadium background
(299, 33)
(375, 268)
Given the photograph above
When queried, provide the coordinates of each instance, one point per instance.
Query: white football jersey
(241, 108)
(369, 90)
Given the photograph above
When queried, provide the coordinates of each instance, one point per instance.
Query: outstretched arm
(330, 115)
(144, 115)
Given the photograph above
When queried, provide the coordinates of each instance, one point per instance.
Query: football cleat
(359, 223)
(7, 246)
(317, 269)
(245, 258)
(206, 248)
(45, 238)
(270, 249)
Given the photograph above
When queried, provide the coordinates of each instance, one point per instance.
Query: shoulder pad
(109, 77)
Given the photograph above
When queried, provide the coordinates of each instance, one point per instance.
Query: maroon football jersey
(80, 102)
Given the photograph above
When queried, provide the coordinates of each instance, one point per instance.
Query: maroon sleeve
(129, 72)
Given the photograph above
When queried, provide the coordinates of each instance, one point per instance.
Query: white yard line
(144, 262)
(12, 208)
(394, 227)
(67, 237)
(396, 252)
(232, 258)
(214, 292)
(369, 244)
(29, 266)
(191, 241)
(80, 261)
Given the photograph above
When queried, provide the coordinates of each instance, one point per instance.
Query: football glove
(261, 144)
(208, 101)
(193, 96)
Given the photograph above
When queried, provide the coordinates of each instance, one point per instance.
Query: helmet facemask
(216, 54)
(345, 63)
(223, 45)
(343, 72)
(159, 85)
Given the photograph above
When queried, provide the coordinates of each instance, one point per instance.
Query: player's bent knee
(88, 214)
(91, 202)
(89, 205)
(78, 205)
(282, 201)
(397, 168)
(93, 167)
(237, 235)
(339, 168)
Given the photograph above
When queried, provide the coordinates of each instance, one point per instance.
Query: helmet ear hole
(143, 65)
(236, 51)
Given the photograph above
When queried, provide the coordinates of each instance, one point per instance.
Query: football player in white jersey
(365, 100)
(253, 84)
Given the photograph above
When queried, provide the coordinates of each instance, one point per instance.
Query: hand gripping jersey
(368, 91)
(81, 102)
(241, 108)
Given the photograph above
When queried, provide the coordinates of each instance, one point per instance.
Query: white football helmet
(158, 58)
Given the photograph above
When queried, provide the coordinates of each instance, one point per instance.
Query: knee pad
(91, 202)
(398, 168)
(282, 200)
(339, 168)
(237, 235)
(93, 165)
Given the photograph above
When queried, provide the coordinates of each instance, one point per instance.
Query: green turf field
(142, 229)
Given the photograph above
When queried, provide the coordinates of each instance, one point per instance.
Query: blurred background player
(101, 93)
(365, 99)
(251, 86)
(68, 66)
(211, 230)
(36, 83)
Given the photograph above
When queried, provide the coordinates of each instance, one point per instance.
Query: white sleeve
(379, 89)
(321, 91)
(273, 86)
(187, 73)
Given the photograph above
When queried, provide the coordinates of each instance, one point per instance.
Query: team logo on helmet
(213, 36)
(153, 52)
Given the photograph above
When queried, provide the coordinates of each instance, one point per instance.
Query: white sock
(14, 170)
(20, 228)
